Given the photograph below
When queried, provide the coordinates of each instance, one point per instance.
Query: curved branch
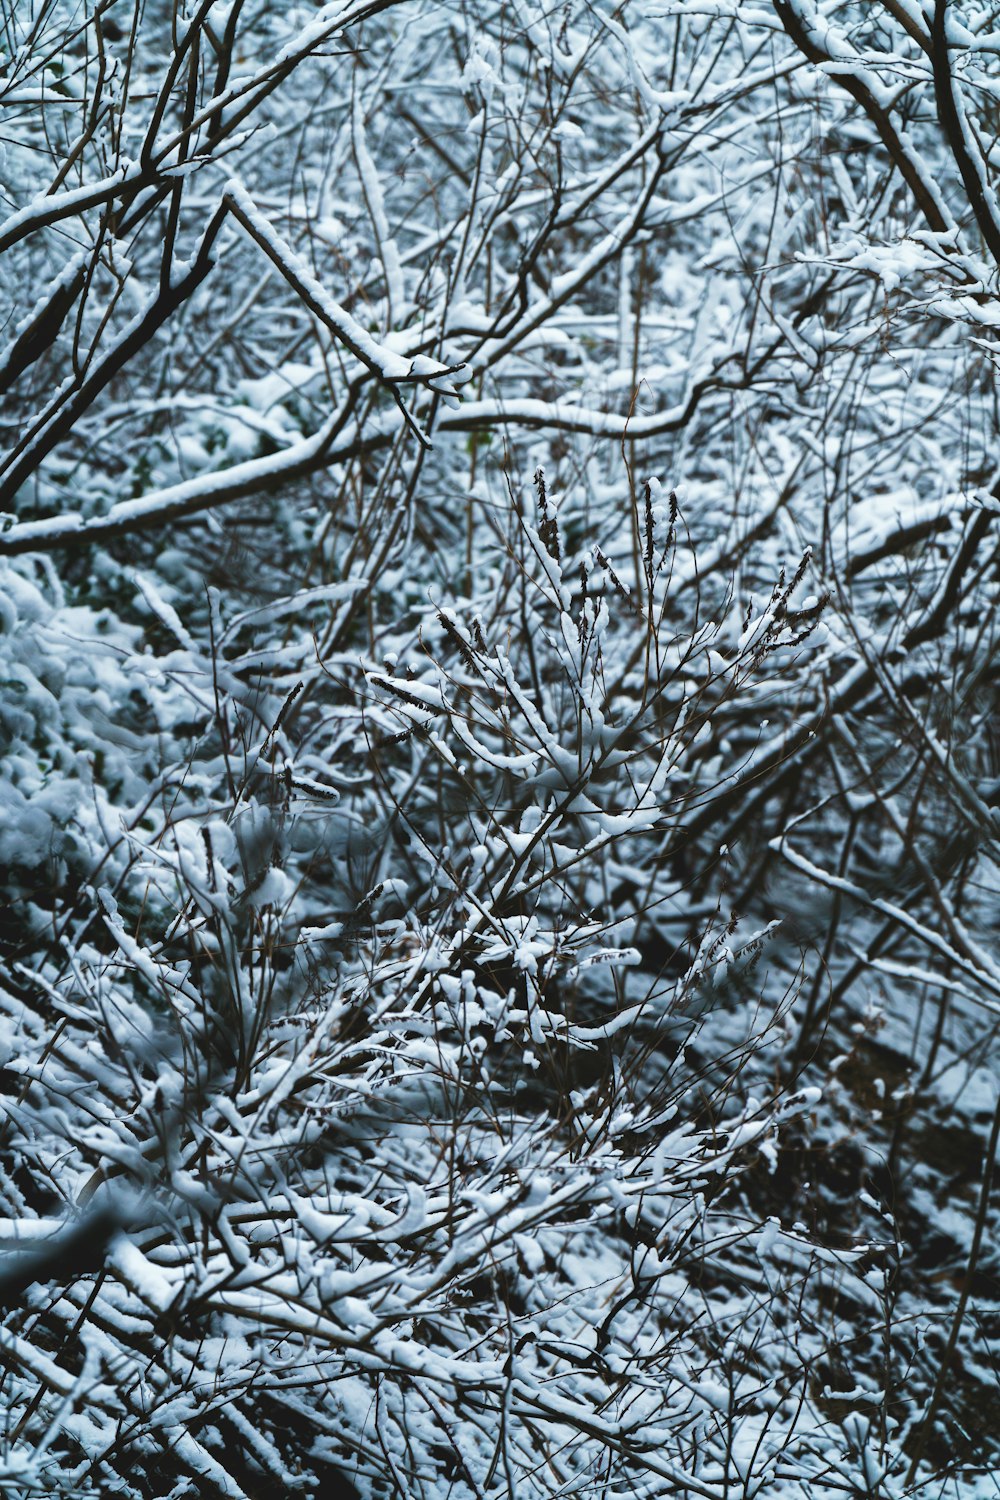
(315, 453)
(807, 40)
(982, 199)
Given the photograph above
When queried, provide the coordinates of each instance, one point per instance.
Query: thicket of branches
(498, 802)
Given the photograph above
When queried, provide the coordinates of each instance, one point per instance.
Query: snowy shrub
(499, 987)
(436, 1177)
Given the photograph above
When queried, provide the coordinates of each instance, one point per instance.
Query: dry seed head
(548, 528)
(457, 639)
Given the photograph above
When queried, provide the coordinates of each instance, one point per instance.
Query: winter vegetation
(499, 757)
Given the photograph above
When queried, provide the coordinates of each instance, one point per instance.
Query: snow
(523, 952)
